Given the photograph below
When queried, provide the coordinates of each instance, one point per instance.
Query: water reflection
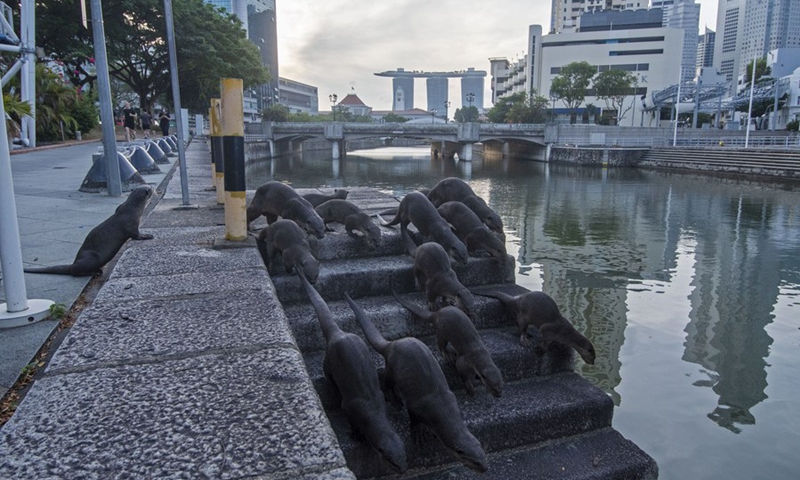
(591, 238)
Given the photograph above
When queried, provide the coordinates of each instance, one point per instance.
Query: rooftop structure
(437, 87)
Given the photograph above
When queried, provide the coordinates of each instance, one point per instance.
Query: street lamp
(433, 115)
(446, 106)
(333, 97)
(470, 98)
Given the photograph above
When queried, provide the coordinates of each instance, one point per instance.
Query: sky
(338, 45)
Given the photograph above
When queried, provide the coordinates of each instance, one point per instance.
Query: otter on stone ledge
(105, 240)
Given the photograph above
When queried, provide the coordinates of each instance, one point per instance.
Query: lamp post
(333, 97)
(446, 106)
(433, 115)
(470, 97)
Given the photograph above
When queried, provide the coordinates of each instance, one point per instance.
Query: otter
(354, 220)
(104, 241)
(274, 199)
(284, 237)
(540, 310)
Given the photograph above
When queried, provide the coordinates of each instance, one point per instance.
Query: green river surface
(687, 284)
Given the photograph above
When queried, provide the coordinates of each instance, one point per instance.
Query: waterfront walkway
(54, 218)
(182, 365)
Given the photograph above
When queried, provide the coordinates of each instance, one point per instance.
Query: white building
(564, 14)
(651, 54)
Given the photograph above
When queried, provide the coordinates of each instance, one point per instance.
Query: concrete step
(530, 411)
(514, 361)
(392, 319)
(600, 455)
(376, 276)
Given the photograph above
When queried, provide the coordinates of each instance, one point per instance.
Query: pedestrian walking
(163, 122)
(146, 123)
(129, 121)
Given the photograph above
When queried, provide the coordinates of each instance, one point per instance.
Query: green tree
(55, 102)
(571, 84)
(210, 45)
(614, 86)
(762, 70)
(392, 117)
(499, 113)
(275, 113)
(531, 109)
(466, 114)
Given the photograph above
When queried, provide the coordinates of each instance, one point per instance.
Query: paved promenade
(54, 218)
(183, 366)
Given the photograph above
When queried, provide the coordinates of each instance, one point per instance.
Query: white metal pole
(17, 310)
(677, 111)
(28, 75)
(750, 108)
(176, 97)
(114, 180)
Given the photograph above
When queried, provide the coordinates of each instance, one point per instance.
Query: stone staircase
(750, 161)
(549, 422)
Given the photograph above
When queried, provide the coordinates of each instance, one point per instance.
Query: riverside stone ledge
(251, 415)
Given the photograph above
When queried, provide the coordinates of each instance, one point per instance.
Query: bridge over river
(454, 137)
(537, 141)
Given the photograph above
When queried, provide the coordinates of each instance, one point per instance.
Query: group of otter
(452, 222)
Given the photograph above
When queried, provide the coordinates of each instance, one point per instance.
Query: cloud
(338, 44)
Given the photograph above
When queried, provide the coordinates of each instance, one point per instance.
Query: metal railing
(757, 142)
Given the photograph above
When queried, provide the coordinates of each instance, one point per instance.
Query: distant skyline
(338, 45)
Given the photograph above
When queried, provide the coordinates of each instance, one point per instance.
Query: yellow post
(232, 117)
(217, 156)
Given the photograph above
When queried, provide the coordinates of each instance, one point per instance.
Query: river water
(688, 286)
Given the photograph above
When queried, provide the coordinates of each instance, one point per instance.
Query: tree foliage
(571, 84)
(392, 117)
(531, 109)
(499, 113)
(761, 70)
(466, 114)
(210, 45)
(614, 86)
(275, 113)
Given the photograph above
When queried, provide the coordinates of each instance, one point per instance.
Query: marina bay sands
(437, 87)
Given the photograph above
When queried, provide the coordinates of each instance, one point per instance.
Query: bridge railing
(782, 142)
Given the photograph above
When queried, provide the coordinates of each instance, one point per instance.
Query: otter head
(585, 349)
(340, 193)
(392, 450)
(493, 221)
(458, 252)
(467, 448)
(465, 301)
(373, 234)
(490, 376)
(315, 226)
(310, 267)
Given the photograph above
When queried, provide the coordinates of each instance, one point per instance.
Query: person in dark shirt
(129, 120)
(146, 123)
(163, 122)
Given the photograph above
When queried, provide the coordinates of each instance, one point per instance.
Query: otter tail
(56, 269)
(395, 220)
(504, 298)
(420, 312)
(411, 245)
(326, 322)
(374, 337)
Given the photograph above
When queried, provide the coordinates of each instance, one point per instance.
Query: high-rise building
(752, 28)
(565, 13)
(685, 15)
(705, 49)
